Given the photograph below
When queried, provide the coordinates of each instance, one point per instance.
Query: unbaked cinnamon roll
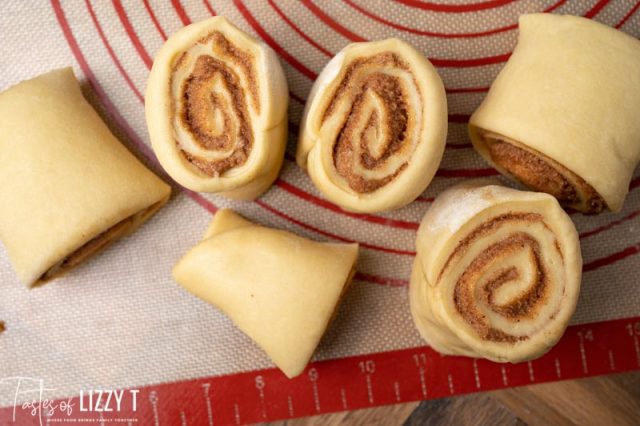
(280, 289)
(497, 273)
(68, 187)
(216, 107)
(374, 127)
(558, 120)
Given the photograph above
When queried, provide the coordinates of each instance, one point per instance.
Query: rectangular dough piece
(68, 187)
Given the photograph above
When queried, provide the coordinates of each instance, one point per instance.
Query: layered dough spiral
(374, 126)
(558, 120)
(497, 273)
(216, 107)
(68, 187)
(280, 289)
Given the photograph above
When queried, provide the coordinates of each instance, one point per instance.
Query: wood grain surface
(605, 400)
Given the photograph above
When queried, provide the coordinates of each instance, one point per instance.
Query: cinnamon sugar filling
(541, 173)
(395, 122)
(526, 305)
(199, 103)
(98, 243)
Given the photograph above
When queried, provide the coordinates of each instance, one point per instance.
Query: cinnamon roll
(497, 273)
(278, 288)
(68, 188)
(216, 107)
(374, 127)
(558, 120)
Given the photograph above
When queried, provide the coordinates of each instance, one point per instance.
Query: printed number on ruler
(367, 367)
(634, 328)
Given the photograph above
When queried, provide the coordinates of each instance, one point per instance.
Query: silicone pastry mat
(119, 321)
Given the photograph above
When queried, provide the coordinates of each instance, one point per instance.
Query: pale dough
(239, 111)
(68, 187)
(367, 88)
(280, 289)
(570, 91)
(497, 273)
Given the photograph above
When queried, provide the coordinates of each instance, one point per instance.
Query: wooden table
(602, 401)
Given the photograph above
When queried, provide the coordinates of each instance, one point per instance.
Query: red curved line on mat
(147, 151)
(455, 8)
(330, 54)
(396, 26)
(378, 220)
(391, 282)
(209, 8)
(443, 63)
(109, 106)
(596, 9)
(373, 219)
(96, 23)
(455, 63)
(182, 14)
(329, 234)
(210, 206)
(425, 199)
(459, 173)
(124, 19)
(271, 42)
(154, 19)
(610, 225)
(612, 258)
(628, 15)
(466, 145)
(298, 30)
(455, 90)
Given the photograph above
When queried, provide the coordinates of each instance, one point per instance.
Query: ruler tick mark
(236, 412)
(343, 396)
(153, 399)
(612, 361)
(369, 389)
(583, 355)
(476, 374)
(558, 370)
(532, 376)
(316, 396)
(206, 387)
(290, 405)
(423, 382)
(260, 384)
(505, 380)
(396, 388)
(450, 380)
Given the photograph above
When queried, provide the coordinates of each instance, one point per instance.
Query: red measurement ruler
(355, 382)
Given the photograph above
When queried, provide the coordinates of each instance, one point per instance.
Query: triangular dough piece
(281, 289)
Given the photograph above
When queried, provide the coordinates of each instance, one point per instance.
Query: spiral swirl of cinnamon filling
(380, 131)
(483, 288)
(216, 86)
(374, 127)
(216, 108)
(507, 281)
(541, 173)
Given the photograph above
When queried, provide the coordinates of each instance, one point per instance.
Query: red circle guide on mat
(361, 381)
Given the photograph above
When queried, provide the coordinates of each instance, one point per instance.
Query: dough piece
(562, 116)
(68, 187)
(216, 107)
(497, 273)
(374, 127)
(280, 289)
